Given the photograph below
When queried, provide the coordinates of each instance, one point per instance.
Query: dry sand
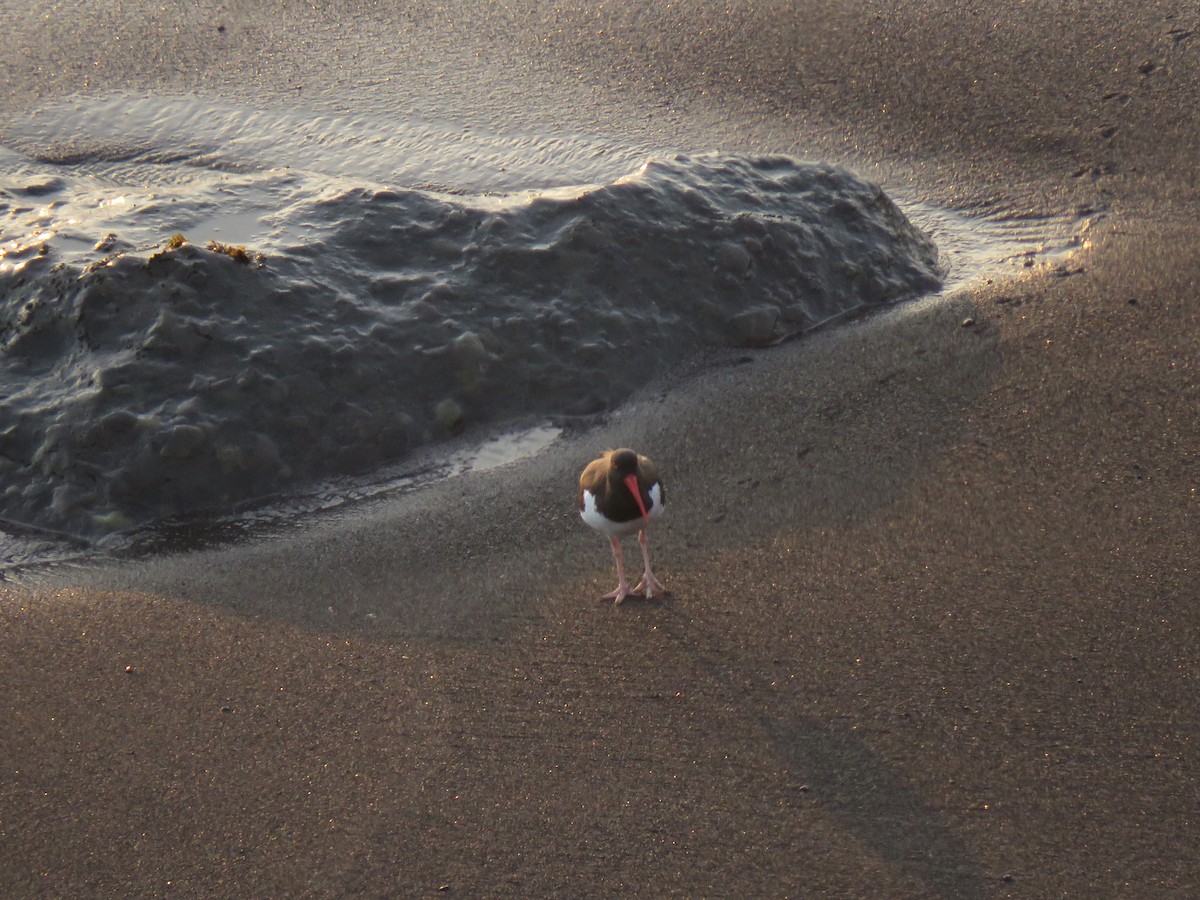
(933, 617)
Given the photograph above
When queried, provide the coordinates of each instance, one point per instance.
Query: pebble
(734, 258)
(182, 441)
(449, 414)
(754, 327)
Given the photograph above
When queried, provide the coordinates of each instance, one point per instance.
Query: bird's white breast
(596, 519)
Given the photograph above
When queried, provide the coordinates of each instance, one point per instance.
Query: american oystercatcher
(620, 493)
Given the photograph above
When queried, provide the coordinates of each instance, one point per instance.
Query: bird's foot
(648, 585)
(618, 596)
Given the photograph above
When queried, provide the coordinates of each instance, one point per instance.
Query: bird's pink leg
(649, 584)
(618, 596)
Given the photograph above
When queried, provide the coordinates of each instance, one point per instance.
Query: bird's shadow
(838, 771)
(875, 804)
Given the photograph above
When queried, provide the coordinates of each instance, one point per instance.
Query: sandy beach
(932, 618)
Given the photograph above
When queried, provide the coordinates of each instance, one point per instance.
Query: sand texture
(932, 621)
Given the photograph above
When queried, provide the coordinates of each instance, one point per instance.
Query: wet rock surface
(147, 384)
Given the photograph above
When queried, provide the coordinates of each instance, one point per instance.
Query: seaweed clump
(237, 253)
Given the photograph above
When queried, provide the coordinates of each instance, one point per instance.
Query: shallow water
(398, 284)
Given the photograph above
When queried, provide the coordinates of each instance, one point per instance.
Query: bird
(621, 493)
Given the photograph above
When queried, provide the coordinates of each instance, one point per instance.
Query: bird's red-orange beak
(631, 482)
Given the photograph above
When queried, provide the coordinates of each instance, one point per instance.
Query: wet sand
(932, 621)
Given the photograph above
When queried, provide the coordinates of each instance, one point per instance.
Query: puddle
(975, 248)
